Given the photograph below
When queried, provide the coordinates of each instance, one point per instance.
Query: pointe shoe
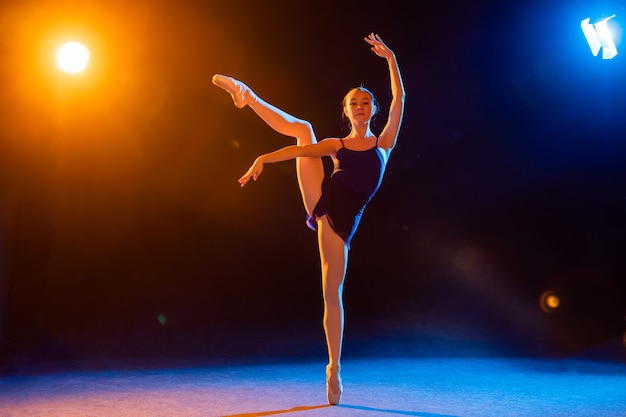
(334, 387)
(240, 92)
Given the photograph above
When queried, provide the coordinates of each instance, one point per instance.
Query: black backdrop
(124, 233)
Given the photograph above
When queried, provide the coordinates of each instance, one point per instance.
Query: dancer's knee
(333, 296)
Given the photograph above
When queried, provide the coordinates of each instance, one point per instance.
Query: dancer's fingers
(244, 178)
(243, 181)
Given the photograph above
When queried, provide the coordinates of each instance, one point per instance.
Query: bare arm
(389, 135)
(326, 147)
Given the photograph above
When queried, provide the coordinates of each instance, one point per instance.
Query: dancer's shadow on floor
(354, 407)
(274, 412)
(398, 412)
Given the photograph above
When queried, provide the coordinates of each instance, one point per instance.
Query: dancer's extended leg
(334, 259)
(310, 171)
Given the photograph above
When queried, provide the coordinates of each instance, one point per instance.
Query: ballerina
(334, 203)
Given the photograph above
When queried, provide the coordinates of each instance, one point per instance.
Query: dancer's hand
(378, 46)
(253, 172)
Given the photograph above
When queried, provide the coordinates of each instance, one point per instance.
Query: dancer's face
(358, 106)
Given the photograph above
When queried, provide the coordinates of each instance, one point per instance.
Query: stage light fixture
(72, 57)
(599, 36)
(549, 301)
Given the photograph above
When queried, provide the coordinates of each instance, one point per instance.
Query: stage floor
(425, 387)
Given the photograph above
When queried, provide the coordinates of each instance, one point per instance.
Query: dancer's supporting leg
(334, 259)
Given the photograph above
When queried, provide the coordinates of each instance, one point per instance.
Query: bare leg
(334, 259)
(310, 171)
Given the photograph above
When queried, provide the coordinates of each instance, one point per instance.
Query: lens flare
(549, 301)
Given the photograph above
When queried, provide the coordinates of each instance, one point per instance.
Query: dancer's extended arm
(323, 148)
(389, 135)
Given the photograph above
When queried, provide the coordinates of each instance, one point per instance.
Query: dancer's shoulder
(331, 144)
(337, 141)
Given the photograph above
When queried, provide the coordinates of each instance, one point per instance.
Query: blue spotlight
(599, 36)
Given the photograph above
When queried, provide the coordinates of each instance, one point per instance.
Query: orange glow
(98, 138)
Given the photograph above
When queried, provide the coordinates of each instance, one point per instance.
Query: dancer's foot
(334, 387)
(240, 92)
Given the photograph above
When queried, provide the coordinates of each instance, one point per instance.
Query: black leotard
(345, 193)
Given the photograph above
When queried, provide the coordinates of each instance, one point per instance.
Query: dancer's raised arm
(389, 135)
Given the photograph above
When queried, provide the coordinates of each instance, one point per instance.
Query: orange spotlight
(549, 301)
(72, 57)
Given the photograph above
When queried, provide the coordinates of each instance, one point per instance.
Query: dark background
(124, 234)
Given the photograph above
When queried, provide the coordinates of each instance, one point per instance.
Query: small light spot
(549, 301)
